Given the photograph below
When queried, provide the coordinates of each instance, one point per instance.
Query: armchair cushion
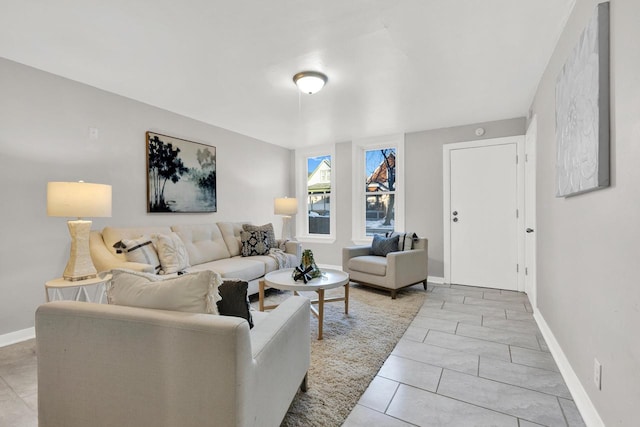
(371, 264)
(381, 246)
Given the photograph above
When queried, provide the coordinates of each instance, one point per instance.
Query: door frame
(531, 159)
(446, 212)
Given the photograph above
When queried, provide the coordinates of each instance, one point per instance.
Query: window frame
(359, 149)
(301, 178)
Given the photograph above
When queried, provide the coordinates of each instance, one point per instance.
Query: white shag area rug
(353, 349)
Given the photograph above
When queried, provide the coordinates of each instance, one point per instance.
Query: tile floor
(471, 357)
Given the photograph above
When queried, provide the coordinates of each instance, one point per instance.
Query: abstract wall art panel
(582, 111)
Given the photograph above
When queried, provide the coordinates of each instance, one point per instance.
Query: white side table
(56, 285)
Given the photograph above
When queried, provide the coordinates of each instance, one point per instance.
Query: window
(378, 203)
(380, 190)
(319, 194)
(314, 188)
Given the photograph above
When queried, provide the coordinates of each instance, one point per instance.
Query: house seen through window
(319, 194)
(380, 190)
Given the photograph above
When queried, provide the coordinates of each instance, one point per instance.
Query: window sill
(315, 239)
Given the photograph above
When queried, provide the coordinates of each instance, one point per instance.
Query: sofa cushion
(371, 264)
(112, 235)
(267, 228)
(192, 293)
(172, 253)
(254, 243)
(234, 300)
(381, 246)
(204, 242)
(231, 234)
(236, 268)
(139, 250)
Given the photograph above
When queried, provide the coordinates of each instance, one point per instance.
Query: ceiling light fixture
(310, 81)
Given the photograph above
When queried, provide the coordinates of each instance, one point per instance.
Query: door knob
(455, 213)
(529, 230)
(455, 219)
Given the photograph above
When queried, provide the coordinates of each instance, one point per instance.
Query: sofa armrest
(281, 349)
(104, 260)
(406, 267)
(295, 248)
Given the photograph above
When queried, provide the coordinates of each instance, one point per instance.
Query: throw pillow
(191, 293)
(172, 253)
(267, 228)
(254, 243)
(139, 250)
(234, 300)
(381, 246)
(405, 243)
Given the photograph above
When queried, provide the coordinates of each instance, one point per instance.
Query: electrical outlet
(597, 374)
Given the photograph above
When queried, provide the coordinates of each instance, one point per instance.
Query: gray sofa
(104, 365)
(213, 246)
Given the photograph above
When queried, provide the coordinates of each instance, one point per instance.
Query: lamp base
(286, 228)
(80, 266)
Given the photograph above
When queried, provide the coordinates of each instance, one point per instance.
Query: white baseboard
(17, 336)
(436, 279)
(580, 397)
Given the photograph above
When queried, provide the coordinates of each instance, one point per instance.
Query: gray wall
(423, 178)
(588, 269)
(44, 121)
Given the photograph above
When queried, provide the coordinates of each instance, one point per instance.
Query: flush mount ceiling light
(309, 81)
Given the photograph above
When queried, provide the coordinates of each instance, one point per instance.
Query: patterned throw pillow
(139, 250)
(173, 255)
(405, 243)
(382, 246)
(267, 228)
(254, 243)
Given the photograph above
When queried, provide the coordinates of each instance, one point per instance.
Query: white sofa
(104, 365)
(213, 246)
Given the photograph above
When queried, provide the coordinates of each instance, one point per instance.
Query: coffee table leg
(346, 298)
(261, 295)
(320, 312)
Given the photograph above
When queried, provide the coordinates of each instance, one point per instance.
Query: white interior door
(530, 212)
(483, 216)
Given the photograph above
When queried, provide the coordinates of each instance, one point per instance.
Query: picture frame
(181, 175)
(582, 111)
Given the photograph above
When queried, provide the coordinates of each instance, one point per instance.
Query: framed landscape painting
(181, 175)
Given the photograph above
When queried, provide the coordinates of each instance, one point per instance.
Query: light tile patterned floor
(471, 357)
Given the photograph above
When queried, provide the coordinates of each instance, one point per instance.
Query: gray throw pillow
(382, 246)
(267, 229)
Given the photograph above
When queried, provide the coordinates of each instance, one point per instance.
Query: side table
(56, 285)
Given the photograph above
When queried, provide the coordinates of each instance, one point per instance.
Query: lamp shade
(285, 206)
(78, 199)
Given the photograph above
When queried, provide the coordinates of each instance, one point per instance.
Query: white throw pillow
(191, 293)
(172, 253)
(140, 250)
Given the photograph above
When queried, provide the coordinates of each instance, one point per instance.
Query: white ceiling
(393, 65)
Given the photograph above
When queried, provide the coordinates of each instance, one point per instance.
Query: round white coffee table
(281, 279)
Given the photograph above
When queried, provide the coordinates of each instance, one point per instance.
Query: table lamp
(79, 199)
(287, 207)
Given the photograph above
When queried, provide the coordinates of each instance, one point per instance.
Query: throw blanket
(281, 258)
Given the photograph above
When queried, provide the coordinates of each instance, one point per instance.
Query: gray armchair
(395, 271)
